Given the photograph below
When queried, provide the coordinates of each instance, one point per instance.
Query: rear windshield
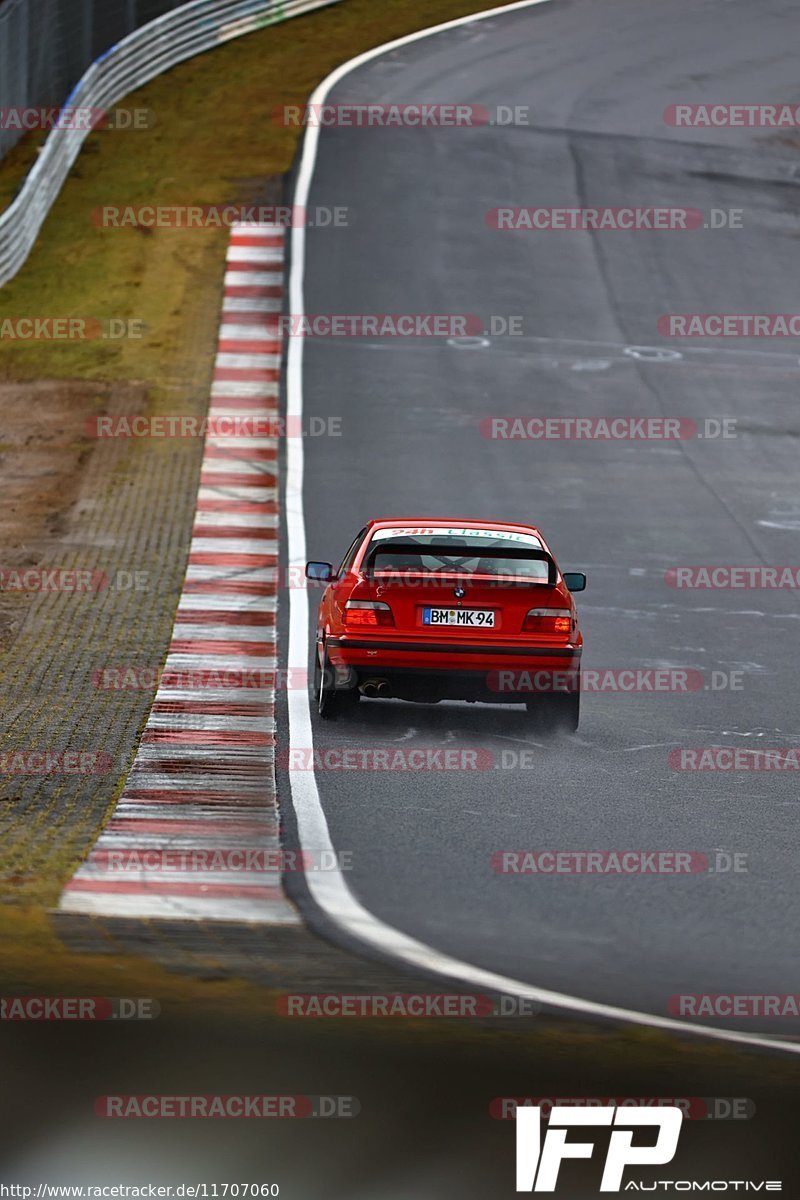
(478, 553)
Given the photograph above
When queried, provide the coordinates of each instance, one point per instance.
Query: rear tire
(331, 701)
(324, 693)
(317, 675)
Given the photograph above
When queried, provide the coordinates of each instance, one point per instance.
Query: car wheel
(324, 689)
(560, 713)
(331, 701)
(317, 675)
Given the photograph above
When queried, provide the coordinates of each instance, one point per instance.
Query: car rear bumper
(456, 670)
(408, 653)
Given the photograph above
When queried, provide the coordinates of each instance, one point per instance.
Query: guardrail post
(88, 28)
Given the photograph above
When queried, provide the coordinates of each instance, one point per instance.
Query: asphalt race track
(596, 79)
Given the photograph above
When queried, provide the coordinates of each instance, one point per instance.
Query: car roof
(444, 522)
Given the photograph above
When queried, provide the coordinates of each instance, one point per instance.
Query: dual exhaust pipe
(374, 687)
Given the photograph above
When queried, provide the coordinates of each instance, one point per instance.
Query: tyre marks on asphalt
(195, 833)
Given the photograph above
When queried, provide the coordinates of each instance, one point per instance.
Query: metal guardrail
(126, 66)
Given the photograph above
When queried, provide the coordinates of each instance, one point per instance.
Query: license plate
(471, 618)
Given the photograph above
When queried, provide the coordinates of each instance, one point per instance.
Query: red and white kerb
(203, 778)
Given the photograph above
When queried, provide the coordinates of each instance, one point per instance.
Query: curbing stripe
(203, 779)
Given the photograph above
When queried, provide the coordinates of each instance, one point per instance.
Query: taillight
(362, 614)
(547, 620)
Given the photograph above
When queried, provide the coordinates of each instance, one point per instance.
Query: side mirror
(575, 581)
(322, 572)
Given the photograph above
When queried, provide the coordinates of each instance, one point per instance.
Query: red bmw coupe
(428, 609)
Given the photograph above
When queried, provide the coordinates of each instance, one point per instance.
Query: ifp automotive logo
(537, 1163)
(538, 1160)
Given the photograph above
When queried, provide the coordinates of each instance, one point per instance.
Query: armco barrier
(132, 62)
